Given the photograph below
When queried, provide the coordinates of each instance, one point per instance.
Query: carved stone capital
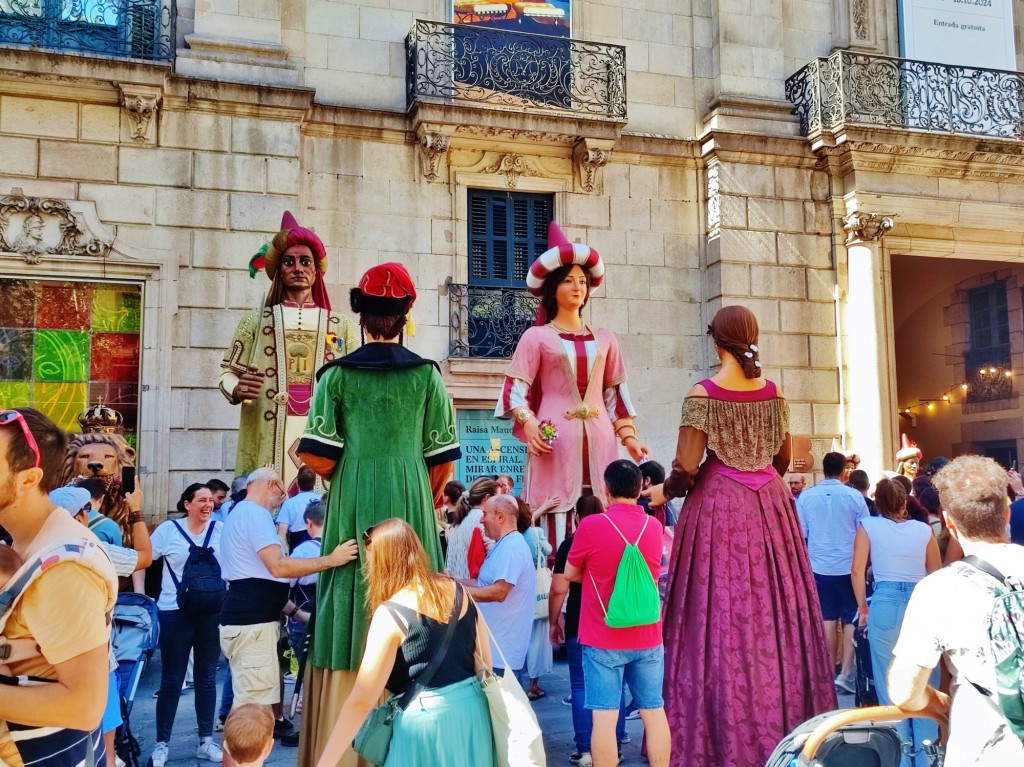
(867, 227)
(589, 157)
(434, 153)
(141, 104)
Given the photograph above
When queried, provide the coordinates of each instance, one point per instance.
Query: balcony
(136, 29)
(497, 69)
(848, 88)
(486, 323)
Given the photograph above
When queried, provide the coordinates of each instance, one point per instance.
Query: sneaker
(283, 727)
(219, 725)
(290, 739)
(625, 739)
(633, 715)
(160, 755)
(209, 750)
(847, 683)
(567, 700)
(119, 762)
(581, 760)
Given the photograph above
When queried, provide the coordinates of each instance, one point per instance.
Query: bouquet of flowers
(548, 432)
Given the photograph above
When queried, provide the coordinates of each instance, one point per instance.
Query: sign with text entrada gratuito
(488, 448)
(968, 33)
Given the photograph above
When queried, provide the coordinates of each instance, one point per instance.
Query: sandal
(535, 694)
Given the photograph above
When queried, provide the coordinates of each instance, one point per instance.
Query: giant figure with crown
(270, 367)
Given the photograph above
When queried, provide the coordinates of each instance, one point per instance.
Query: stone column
(869, 398)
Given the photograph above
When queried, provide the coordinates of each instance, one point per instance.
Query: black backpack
(201, 589)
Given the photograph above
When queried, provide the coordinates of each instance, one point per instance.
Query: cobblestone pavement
(555, 719)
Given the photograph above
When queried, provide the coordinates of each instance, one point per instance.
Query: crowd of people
(723, 621)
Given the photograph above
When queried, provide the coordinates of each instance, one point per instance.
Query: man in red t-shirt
(635, 655)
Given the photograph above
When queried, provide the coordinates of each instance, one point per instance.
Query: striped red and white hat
(561, 252)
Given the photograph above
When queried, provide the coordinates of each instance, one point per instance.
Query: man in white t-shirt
(947, 615)
(291, 527)
(258, 575)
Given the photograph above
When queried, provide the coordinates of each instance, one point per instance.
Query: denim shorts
(604, 672)
(835, 594)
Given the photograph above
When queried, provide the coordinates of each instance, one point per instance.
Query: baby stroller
(134, 635)
(856, 737)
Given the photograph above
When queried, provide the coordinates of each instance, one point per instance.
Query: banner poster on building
(541, 17)
(488, 448)
(969, 33)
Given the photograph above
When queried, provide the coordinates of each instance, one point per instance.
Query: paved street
(555, 719)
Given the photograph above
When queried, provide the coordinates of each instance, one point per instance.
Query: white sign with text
(971, 33)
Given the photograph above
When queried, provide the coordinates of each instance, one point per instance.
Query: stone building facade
(681, 161)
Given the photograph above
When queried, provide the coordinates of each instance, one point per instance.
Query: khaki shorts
(252, 655)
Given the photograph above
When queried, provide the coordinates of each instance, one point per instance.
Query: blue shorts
(835, 594)
(112, 713)
(604, 672)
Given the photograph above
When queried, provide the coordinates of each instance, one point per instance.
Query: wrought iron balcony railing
(515, 70)
(487, 322)
(855, 88)
(138, 29)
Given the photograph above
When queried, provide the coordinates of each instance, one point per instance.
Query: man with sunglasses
(62, 607)
(269, 368)
(259, 575)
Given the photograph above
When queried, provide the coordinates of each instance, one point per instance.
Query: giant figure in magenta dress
(573, 376)
(745, 653)
(382, 430)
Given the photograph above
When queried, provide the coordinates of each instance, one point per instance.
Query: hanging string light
(958, 394)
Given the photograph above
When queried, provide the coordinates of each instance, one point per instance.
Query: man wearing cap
(382, 430)
(276, 350)
(570, 379)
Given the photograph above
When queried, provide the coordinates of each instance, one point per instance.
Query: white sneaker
(160, 754)
(118, 761)
(209, 750)
(847, 683)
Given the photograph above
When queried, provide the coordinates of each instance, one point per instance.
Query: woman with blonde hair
(447, 724)
(467, 544)
(902, 551)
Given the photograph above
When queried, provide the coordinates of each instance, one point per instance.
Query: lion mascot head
(103, 456)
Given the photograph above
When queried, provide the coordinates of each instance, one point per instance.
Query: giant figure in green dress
(382, 431)
(269, 367)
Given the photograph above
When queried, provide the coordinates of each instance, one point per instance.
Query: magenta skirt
(745, 653)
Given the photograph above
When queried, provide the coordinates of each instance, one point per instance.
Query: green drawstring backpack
(634, 600)
(1006, 637)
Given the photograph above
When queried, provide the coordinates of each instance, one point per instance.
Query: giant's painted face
(97, 460)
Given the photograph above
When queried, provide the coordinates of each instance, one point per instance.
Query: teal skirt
(446, 727)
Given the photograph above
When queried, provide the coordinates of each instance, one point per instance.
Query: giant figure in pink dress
(573, 376)
(745, 653)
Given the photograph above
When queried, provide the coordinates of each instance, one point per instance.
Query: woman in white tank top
(902, 551)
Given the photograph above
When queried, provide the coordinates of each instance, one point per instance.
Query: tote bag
(540, 608)
(518, 741)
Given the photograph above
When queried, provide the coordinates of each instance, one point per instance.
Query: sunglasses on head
(368, 535)
(13, 416)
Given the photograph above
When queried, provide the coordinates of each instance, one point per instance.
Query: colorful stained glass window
(66, 345)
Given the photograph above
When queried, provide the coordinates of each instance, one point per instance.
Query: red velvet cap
(384, 289)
